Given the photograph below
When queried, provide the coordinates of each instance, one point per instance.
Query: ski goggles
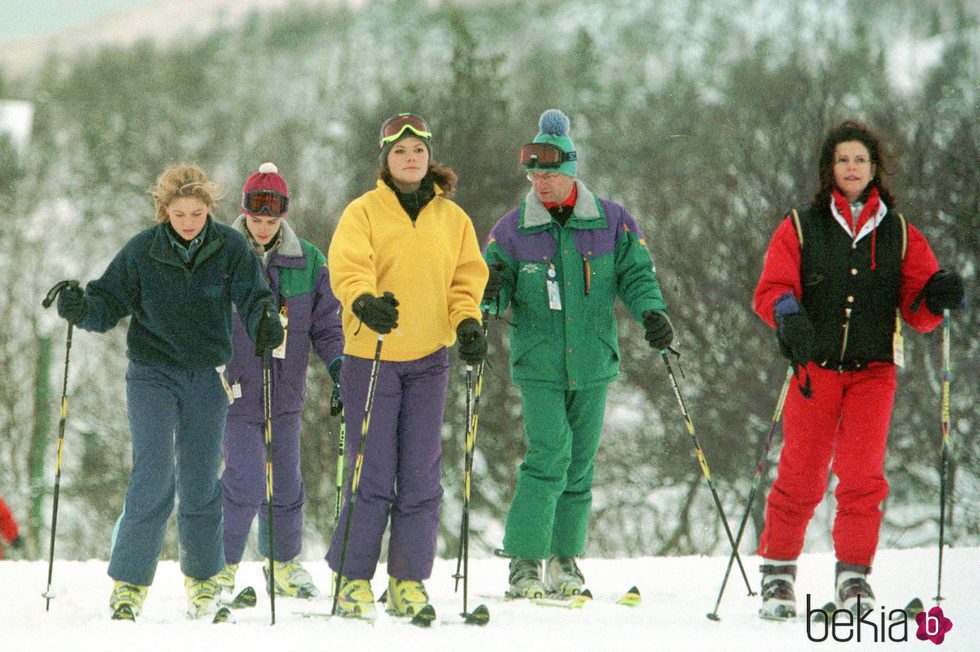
(394, 128)
(265, 202)
(544, 155)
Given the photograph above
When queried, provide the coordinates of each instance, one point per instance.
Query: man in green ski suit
(559, 260)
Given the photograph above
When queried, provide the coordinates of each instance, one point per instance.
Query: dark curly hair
(852, 130)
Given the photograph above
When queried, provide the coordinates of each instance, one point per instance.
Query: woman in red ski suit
(840, 276)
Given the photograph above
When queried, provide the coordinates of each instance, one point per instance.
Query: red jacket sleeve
(781, 271)
(919, 264)
(8, 526)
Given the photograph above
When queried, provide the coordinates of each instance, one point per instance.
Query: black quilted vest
(852, 307)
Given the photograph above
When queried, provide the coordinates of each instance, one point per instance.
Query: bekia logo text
(842, 626)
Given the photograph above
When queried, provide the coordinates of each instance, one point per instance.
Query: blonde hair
(183, 180)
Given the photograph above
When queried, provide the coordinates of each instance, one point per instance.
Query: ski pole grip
(56, 290)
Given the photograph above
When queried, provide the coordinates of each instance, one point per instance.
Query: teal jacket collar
(164, 250)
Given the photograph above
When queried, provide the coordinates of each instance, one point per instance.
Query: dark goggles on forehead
(394, 128)
(544, 155)
(265, 202)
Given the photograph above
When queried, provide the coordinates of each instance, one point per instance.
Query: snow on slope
(677, 593)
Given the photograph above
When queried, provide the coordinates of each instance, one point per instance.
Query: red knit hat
(266, 180)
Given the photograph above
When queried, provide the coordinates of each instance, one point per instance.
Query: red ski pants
(844, 425)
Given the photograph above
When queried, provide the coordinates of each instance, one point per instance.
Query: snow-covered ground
(677, 593)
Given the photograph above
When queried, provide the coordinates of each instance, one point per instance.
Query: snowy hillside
(677, 593)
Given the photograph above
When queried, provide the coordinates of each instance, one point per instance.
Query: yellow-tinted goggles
(394, 128)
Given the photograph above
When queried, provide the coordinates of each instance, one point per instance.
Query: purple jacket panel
(599, 242)
(313, 319)
(538, 244)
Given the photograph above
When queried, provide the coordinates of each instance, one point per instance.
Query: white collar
(868, 227)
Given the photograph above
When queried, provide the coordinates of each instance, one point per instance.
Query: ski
(245, 598)
(424, 617)
(785, 614)
(824, 613)
(124, 612)
(574, 602)
(223, 615)
(913, 607)
(631, 598)
(326, 615)
(479, 616)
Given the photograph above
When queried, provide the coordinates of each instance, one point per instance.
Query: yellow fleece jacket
(434, 268)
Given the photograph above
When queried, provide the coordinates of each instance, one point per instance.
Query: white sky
(28, 18)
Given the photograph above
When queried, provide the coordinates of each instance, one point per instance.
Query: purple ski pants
(401, 471)
(243, 482)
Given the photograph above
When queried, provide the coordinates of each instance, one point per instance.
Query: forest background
(703, 118)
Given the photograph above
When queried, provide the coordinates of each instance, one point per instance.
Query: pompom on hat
(553, 125)
(266, 181)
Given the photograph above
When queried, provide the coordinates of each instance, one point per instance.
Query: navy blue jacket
(181, 316)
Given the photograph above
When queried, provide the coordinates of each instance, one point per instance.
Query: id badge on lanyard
(898, 342)
(280, 351)
(554, 296)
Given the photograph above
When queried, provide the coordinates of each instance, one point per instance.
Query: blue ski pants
(176, 418)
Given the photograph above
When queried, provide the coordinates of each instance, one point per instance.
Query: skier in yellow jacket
(407, 239)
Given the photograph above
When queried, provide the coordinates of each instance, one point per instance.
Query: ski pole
(944, 463)
(462, 525)
(704, 468)
(341, 449)
(46, 303)
(480, 615)
(760, 469)
(355, 480)
(267, 414)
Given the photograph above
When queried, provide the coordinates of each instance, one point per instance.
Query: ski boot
(853, 591)
(126, 600)
(562, 577)
(406, 598)
(778, 595)
(202, 597)
(525, 579)
(356, 599)
(225, 580)
(291, 580)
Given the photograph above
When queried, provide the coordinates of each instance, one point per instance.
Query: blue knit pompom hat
(554, 130)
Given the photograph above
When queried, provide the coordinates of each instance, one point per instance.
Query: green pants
(553, 499)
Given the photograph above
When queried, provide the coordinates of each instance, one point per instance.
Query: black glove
(72, 304)
(659, 331)
(17, 543)
(336, 405)
(492, 289)
(944, 290)
(793, 330)
(472, 341)
(269, 333)
(380, 314)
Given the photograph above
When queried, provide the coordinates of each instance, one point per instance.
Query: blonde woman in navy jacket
(177, 282)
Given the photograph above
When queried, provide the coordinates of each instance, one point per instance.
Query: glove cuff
(785, 306)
